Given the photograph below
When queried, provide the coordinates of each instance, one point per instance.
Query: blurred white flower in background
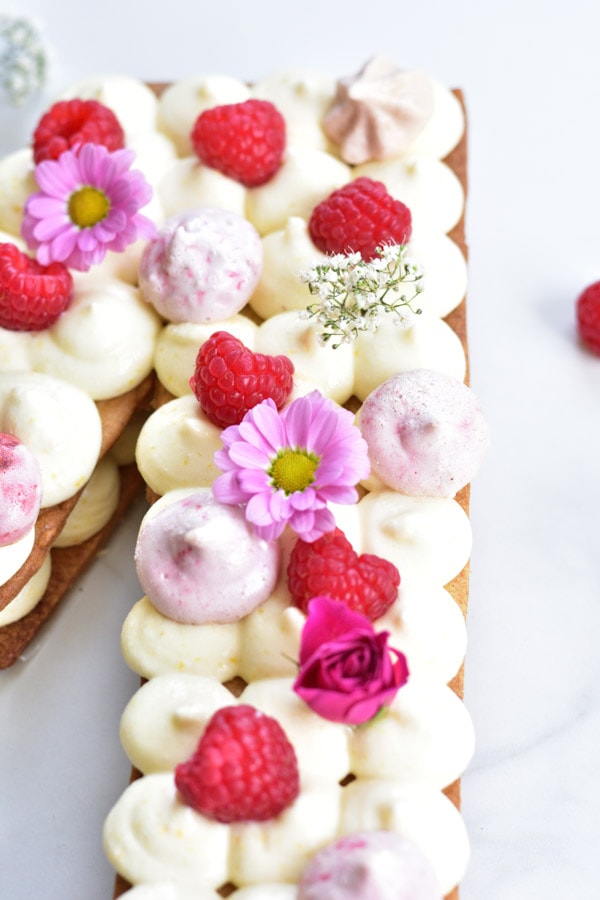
(23, 59)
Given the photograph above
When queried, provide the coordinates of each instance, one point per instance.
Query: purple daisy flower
(88, 203)
(285, 467)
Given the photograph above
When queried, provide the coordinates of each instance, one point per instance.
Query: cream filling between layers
(93, 510)
(12, 556)
(95, 507)
(29, 595)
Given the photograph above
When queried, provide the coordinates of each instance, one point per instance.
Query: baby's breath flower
(352, 294)
(23, 60)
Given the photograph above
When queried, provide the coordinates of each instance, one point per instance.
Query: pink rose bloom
(347, 671)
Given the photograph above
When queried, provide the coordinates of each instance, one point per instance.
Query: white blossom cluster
(23, 59)
(354, 295)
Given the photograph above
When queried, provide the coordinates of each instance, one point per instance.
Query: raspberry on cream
(83, 346)
(199, 561)
(428, 187)
(182, 102)
(426, 433)
(133, 102)
(202, 267)
(178, 344)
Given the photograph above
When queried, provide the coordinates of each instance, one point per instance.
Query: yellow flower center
(87, 206)
(293, 470)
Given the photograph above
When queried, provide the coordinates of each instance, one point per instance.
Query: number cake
(299, 730)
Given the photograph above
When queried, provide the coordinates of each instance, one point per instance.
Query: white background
(531, 75)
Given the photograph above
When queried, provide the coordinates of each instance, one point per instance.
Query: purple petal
(103, 233)
(246, 456)
(338, 493)
(305, 499)
(43, 255)
(267, 422)
(248, 432)
(322, 432)
(71, 172)
(302, 521)
(279, 506)
(42, 206)
(63, 244)
(270, 532)
(257, 510)
(47, 229)
(227, 490)
(253, 481)
(85, 259)
(145, 228)
(57, 178)
(323, 521)
(122, 192)
(122, 160)
(297, 418)
(91, 165)
(328, 471)
(86, 240)
(222, 461)
(115, 221)
(27, 230)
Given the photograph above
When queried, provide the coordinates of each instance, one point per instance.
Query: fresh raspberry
(244, 768)
(330, 567)
(71, 122)
(359, 217)
(588, 316)
(245, 141)
(32, 296)
(229, 379)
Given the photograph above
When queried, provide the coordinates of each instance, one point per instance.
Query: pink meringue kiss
(426, 433)
(20, 489)
(377, 113)
(200, 562)
(203, 266)
(372, 865)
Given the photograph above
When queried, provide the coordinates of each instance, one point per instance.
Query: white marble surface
(531, 74)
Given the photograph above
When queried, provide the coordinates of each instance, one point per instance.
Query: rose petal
(347, 671)
(328, 617)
